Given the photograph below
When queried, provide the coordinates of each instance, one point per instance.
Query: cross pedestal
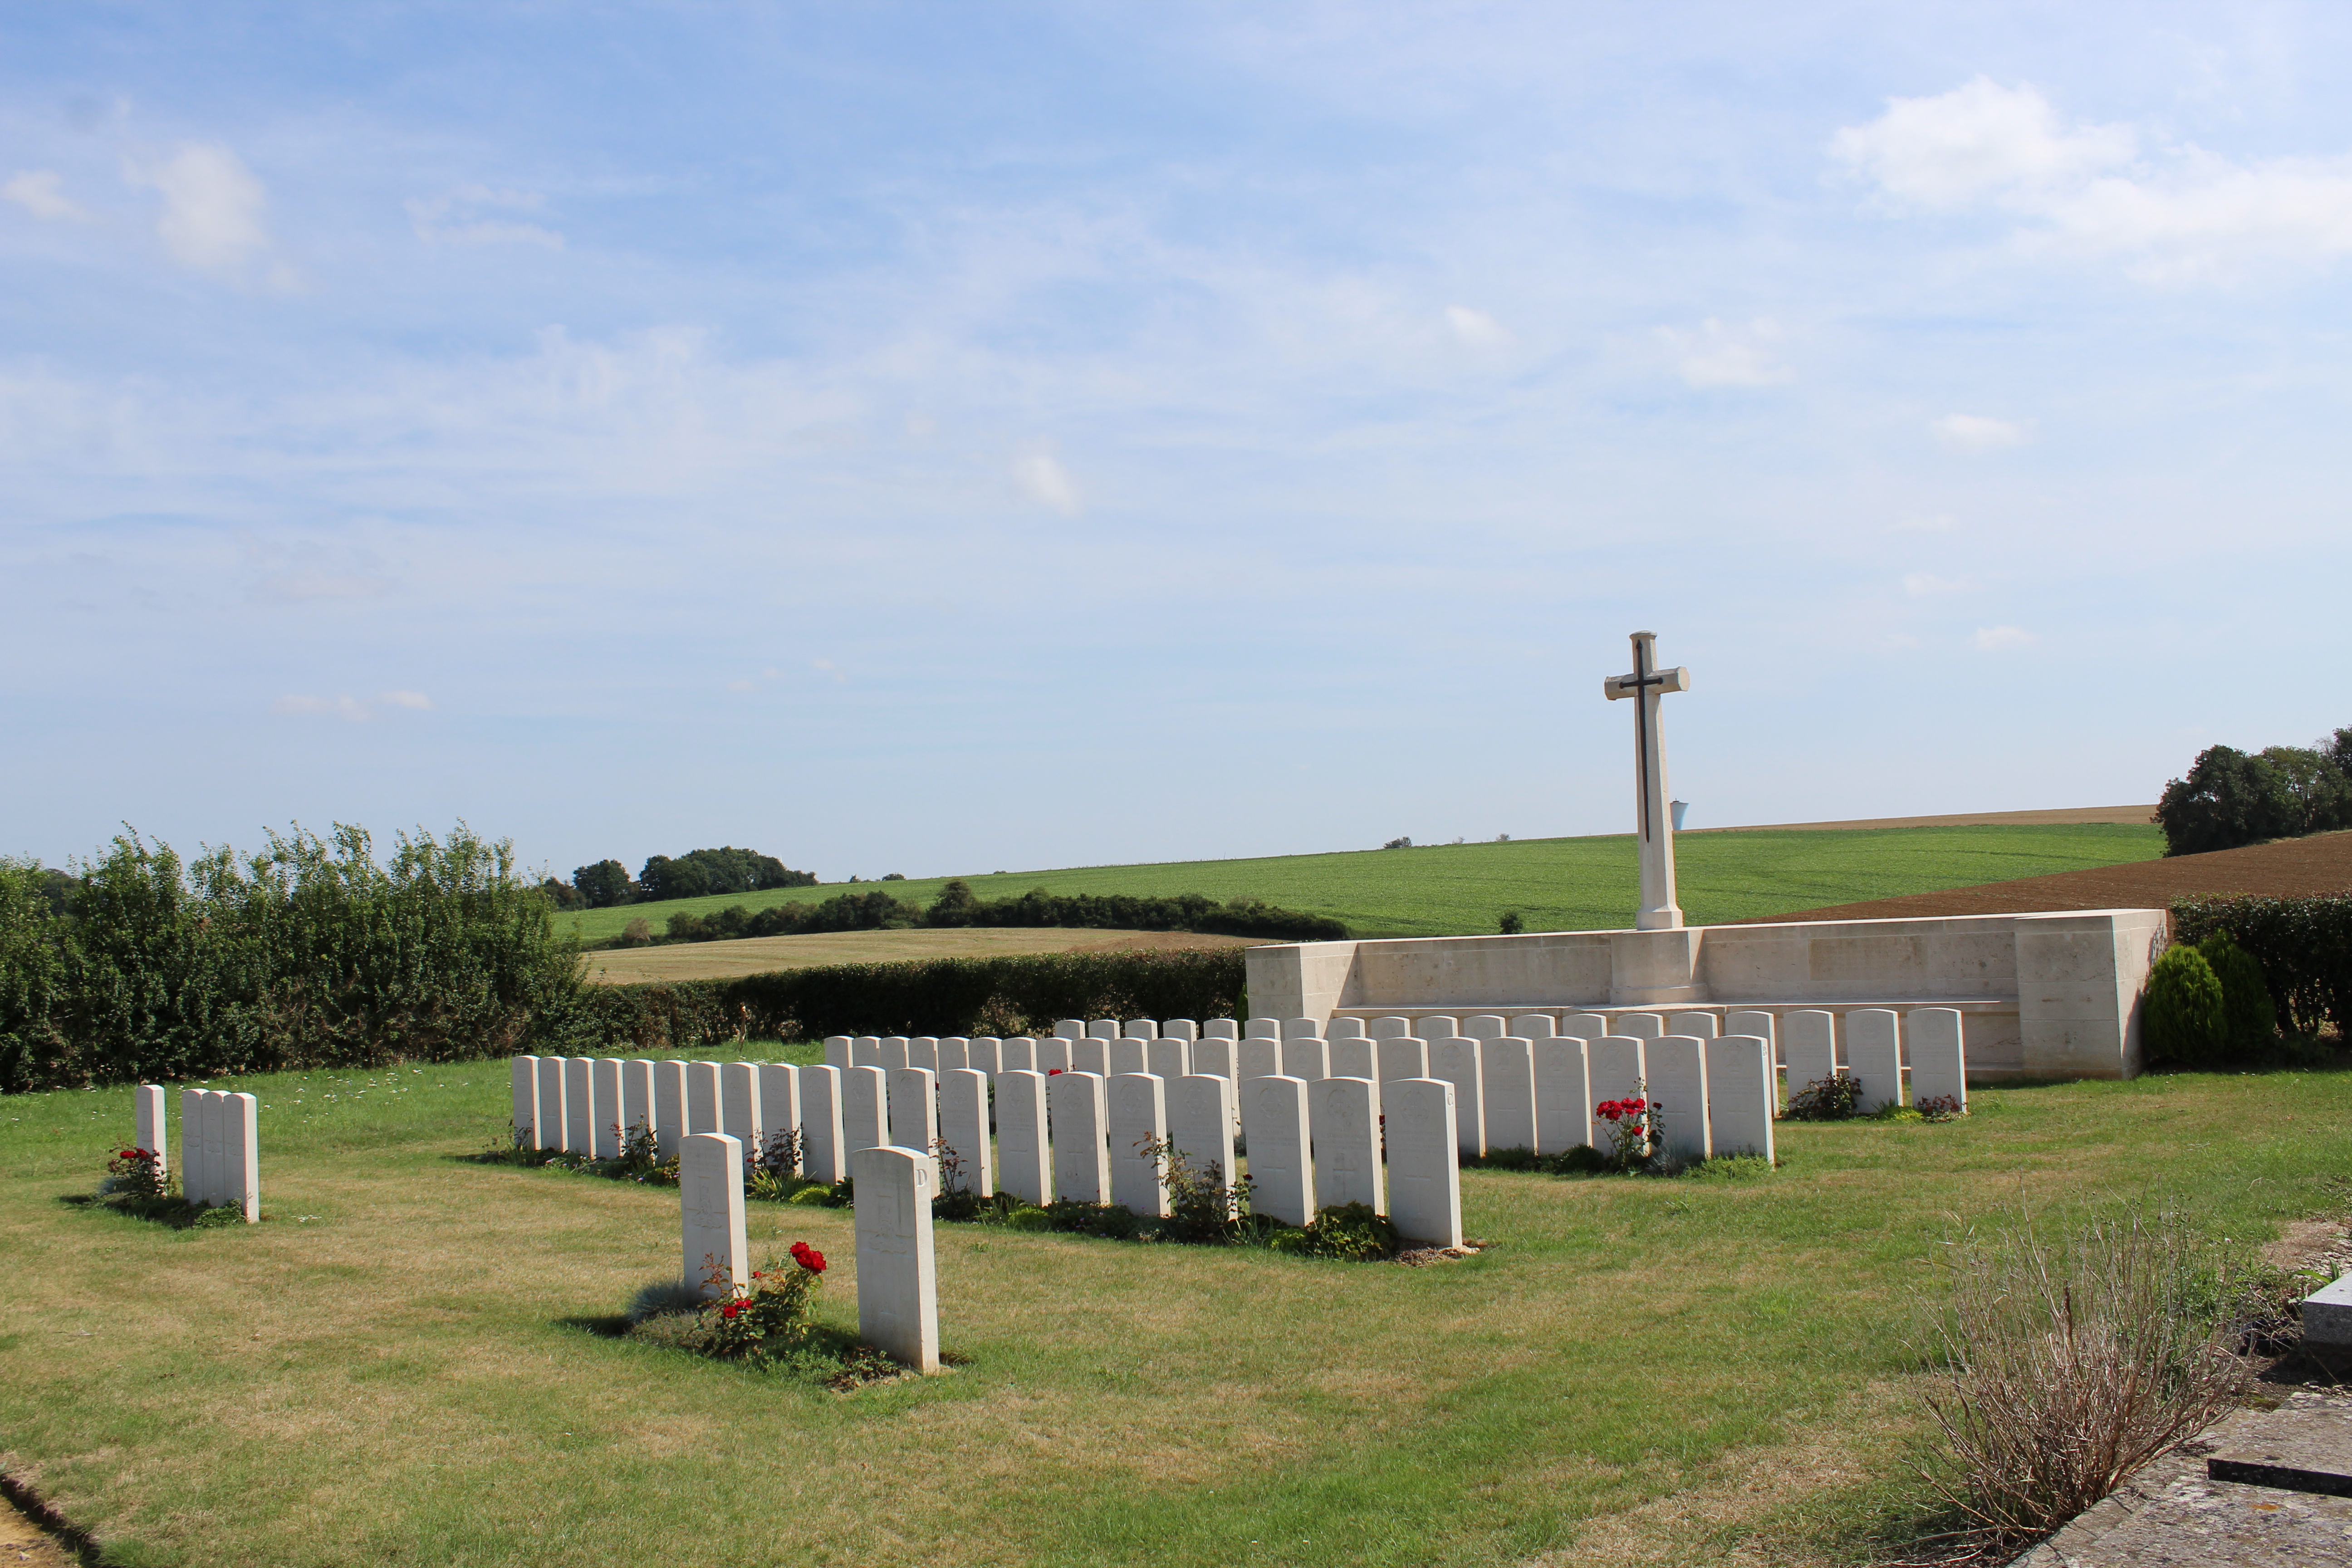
(1654, 826)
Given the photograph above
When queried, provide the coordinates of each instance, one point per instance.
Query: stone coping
(1611, 1009)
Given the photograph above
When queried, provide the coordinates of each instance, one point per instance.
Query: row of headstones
(897, 1272)
(1070, 1134)
(220, 1145)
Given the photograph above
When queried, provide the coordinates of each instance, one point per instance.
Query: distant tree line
(958, 905)
(696, 874)
(2231, 797)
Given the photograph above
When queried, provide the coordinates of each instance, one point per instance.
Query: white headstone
(1617, 1072)
(987, 1054)
(780, 1105)
(1535, 1025)
(1091, 1055)
(1340, 1029)
(1392, 1029)
(1018, 1054)
(554, 1114)
(897, 1274)
(1584, 1025)
(824, 1139)
(1424, 1173)
(1135, 1104)
(1485, 1026)
(1306, 1057)
(1169, 1057)
(1740, 1095)
(1302, 1028)
(1507, 1068)
(1809, 1047)
(1938, 1062)
(1103, 1028)
(1069, 1028)
(914, 1109)
(711, 1202)
(1678, 1072)
(580, 1104)
(1221, 1029)
(1402, 1056)
(1129, 1053)
(1212, 1055)
(739, 1104)
(1751, 1021)
(1054, 1055)
(636, 1096)
(836, 1050)
(1024, 1158)
(1140, 1029)
(151, 1125)
(1698, 1026)
(1200, 1124)
(1273, 1123)
(1343, 1116)
(963, 1128)
(1437, 1027)
(923, 1051)
(1639, 1025)
(200, 1145)
(1260, 1058)
(702, 1098)
(1874, 1054)
(955, 1051)
(1457, 1060)
(894, 1053)
(1179, 1030)
(1262, 1029)
(1081, 1147)
(1354, 1058)
(865, 1108)
(865, 1051)
(606, 1078)
(241, 1146)
(1563, 1094)
(526, 1103)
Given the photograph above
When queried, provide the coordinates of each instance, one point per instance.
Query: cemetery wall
(2041, 995)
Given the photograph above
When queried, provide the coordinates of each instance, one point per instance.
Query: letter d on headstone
(897, 1279)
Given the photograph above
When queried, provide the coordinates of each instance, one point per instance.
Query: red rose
(814, 1262)
(1051, 1071)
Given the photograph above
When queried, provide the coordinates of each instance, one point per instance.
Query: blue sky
(951, 438)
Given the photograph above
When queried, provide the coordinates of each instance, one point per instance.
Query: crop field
(767, 954)
(1556, 884)
(413, 1359)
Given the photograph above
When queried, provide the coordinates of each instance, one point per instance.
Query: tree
(2323, 794)
(563, 895)
(2228, 799)
(603, 885)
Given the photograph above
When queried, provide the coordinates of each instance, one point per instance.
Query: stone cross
(1654, 826)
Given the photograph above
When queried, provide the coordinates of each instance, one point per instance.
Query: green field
(408, 1362)
(1558, 884)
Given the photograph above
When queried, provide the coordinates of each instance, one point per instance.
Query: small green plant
(2186, 1021)
(1633, 1129)
(1353, 1231)
(1512, 923)
(1836, 1097)
(1201, 1206)
(137, 1175)
(1940, 1107)
(2249, 1017)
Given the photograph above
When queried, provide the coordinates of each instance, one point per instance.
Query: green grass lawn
(403, 1364)
(1558, 884)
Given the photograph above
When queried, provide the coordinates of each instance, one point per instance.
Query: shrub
(2303, 945)
(1831, 1098)
(1201, 1206)
(2249, 1019)
(1353, 1231)
(136, 1174)
(2185, 1021)
(1633, 1129)
(1512, 923)
(2065, 1364)
(639, 933)
(1939, 1107)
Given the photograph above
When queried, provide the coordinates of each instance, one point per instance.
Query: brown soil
(23, 1541)
(2066, 816)
(2286, 868)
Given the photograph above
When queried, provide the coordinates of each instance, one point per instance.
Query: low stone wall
(2041, 996)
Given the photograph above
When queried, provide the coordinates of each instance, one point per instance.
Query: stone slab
(1343, 1120)
(1457, 1060)
(1740, 1095)
(1200, 1124)
(1273, 1124)
(1676, 1066)
(152, 1124)
(524, 1072)
(780, 1107)
(1081, 1147)
(865, 1108)
(1169, 1057)
(1306, 1057)
(1939, 1066)
(1506, 1072)
(1563, 1094)
(1024, 1161)
(713, 1256)
(1808, 1046)
(2305, 1449)
(1136, 1109)
(898, 1269)
(1424, 1174)
(739, 1104)
(914, 1109)
(963, 1128)
(1873, 1056)
(702, 1098)
(1618, 1070)
(2327, 1316)
(825, 1144)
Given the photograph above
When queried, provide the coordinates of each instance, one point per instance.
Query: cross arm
(1675, 679)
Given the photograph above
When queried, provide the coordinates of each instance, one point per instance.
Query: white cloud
(1476, 328)
(1975, 433)
(346, 706)
(1720, 355)
(2000, 639)
(457, 218)
(35, 190)
(2177, 213)
(211, 206)
(1927, 585)
(1044, 480)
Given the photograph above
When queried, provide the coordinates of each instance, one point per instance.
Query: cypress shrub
(2185, 1022)
(2253, 1021)
(2304, 947)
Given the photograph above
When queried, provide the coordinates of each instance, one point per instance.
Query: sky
(940, 437)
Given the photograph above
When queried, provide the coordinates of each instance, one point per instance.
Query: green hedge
(1001, 996)
(2305, 946)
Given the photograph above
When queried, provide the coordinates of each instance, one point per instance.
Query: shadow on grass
(174, 1213)
(611, 1326)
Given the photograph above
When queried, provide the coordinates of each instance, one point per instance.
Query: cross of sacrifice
(1657, 829)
